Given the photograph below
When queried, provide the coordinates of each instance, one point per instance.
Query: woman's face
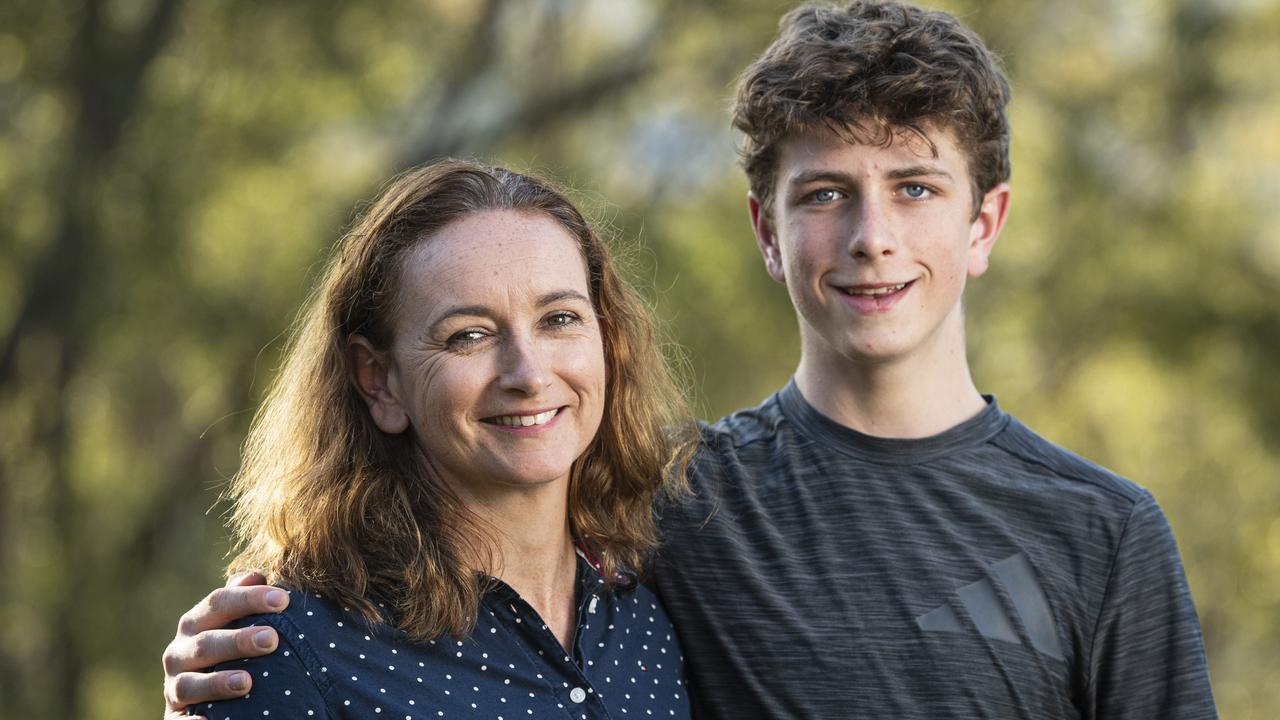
(498, 361)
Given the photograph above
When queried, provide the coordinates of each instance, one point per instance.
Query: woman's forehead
(494, 256)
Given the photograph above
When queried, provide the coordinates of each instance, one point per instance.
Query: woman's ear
(371, 373)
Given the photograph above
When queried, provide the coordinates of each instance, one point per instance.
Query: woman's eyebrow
(556, 296)
(465, 310)
(485, 311)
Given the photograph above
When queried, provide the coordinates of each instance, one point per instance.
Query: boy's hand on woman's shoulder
(202, 642)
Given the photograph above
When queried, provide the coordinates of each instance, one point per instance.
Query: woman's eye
(562, 319)
(916, 192)
(827, 195)
(465, 338)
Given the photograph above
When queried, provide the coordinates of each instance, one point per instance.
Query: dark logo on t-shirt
(994, 617)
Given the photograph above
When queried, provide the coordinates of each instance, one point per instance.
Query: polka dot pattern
(625, 663)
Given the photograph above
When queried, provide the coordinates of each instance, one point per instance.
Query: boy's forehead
(929, 145)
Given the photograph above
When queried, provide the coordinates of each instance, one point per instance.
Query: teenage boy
(878, 539)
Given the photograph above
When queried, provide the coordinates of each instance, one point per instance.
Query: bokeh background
(172, 173)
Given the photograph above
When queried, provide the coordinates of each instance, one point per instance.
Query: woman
(455, 468)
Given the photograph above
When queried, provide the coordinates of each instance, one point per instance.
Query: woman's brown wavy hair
(867, 70)
(325, 502)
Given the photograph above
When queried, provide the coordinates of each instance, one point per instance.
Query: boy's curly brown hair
(867, 71)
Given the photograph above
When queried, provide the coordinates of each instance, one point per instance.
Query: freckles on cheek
(594, 370)
(801, 271)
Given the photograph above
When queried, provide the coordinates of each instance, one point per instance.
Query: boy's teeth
(876, 291)
(525, 420)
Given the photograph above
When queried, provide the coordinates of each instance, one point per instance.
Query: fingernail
(276, 599)
(239, 682)
(263, 638)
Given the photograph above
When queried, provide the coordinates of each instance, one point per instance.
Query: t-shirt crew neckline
(890, 451)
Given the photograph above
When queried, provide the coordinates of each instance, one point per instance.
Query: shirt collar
(890, 451)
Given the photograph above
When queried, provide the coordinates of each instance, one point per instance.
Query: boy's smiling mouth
(872, 298)
(877, 290)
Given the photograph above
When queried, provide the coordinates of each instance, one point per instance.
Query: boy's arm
(1148, 657)
(200, 643)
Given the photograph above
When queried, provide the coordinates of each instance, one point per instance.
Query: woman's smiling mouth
(541, 418)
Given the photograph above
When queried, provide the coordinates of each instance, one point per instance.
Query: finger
(194, 688)
(248, 577)
(206, 649)
(227, 604)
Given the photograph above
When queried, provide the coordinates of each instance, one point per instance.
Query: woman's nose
(524, 369)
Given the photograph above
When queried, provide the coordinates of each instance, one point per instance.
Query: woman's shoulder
(310, 618)
(320, 642)
(300, 605)
(295, 675)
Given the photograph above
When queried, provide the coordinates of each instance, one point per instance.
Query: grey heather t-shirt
(981, 573)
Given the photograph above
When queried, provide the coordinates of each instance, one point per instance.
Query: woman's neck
(533, 549)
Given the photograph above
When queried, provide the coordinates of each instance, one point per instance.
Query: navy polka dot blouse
(625, 663)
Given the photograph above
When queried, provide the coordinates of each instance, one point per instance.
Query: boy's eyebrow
(805, 177)
(919, 171)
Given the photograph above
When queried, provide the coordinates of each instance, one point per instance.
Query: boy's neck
(912, 397)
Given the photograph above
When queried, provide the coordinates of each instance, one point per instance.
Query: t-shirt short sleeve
(1147, 657)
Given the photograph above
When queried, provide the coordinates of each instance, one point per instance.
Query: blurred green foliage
(172, 173)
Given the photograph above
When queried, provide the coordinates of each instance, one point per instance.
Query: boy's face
(875, 243)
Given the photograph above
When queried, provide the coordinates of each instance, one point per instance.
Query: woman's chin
(524, 478)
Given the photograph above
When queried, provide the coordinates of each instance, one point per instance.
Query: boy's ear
(374, 379)
(766, 239)
(985, 229)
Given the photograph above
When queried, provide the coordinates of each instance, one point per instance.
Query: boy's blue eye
(915, 192)
(826, 195)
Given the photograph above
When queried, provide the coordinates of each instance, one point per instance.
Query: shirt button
(577, 695)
